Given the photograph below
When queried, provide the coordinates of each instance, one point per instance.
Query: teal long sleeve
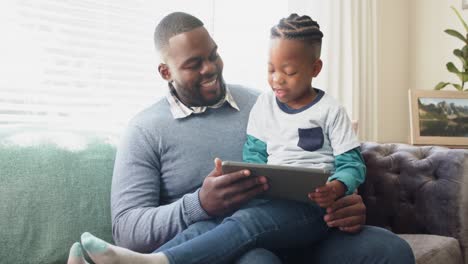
(254, 151)
(350, 169)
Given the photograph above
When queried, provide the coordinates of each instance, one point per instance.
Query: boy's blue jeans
(372, 245)
(272, 224)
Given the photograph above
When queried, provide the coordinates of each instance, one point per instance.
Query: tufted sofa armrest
(417, 190)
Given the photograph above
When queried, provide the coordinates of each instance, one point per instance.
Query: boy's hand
(325, 196)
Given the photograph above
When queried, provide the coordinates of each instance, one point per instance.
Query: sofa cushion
(54, 186)
(417, 190)
(432, 249)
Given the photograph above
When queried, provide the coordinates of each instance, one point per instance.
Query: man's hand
(347, 213)
(325, 196)
(223, 193)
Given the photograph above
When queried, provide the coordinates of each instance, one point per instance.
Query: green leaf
(452, 68)
(457, 86)
(465, 52)
(463, 76)
(459, 55)
(441, 85)
(456, 34)
(461, 18)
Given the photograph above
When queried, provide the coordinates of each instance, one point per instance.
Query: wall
(413, 51)
(430, 47)
(393, 77)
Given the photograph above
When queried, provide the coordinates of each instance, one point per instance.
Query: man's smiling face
(195, 68)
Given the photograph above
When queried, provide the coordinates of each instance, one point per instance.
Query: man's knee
(383, 246)
(392, 249)
(371, 245)
(258, 256)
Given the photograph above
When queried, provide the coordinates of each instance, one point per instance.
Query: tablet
(285, 182)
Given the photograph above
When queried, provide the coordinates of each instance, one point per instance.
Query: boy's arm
(254, 150)
(350, 169)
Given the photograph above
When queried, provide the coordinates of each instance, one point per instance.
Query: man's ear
(317, 67)
(164, 72)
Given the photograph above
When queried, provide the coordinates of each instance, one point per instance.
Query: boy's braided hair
(297, 27)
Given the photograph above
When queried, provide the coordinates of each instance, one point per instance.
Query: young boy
(296, 124)
(293, 124)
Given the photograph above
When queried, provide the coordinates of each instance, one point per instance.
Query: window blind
(83, 64)
(92, 64)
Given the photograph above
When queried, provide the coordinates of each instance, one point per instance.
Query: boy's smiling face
(292, 65)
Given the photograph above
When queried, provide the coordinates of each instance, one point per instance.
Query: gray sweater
(160, 166)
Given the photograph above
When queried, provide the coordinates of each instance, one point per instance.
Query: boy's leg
(192, 231)
(272, 224)
(102, 252)
(256, 255)
(76, 255)
(373, 245)
(199, 228)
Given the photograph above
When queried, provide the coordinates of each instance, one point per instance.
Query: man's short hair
(297, 27)
(171, 25)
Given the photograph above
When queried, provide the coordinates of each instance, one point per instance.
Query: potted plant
(462, 54)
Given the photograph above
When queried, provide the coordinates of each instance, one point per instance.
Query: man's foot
(76, 255)
(102, 252)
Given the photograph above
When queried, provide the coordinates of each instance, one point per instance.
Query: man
(162, 182)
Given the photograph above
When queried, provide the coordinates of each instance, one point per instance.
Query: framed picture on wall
(439, 117)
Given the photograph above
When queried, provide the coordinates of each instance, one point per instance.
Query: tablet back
(285, 182)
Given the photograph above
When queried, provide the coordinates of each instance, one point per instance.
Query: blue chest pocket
(310, 139)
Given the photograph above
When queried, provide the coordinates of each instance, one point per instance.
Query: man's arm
(139, 221)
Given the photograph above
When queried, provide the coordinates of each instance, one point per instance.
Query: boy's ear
(317, 67)
(164, 72)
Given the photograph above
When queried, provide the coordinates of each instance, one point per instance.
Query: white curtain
(365, 71)
(349, 53)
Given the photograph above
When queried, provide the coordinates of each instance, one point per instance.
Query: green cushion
(51, 193)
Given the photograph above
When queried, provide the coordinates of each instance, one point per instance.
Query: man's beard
(222, 93)
(200, 100)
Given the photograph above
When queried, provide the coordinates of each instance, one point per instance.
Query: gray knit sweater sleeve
(139, 219)
(161, 164)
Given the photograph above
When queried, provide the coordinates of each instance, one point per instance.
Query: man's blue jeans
(268, 224)
(373, 245)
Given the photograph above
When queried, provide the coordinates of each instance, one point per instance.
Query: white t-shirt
(306, 137)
